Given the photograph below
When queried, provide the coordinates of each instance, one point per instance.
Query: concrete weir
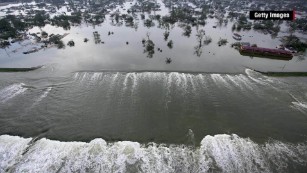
(19, 69)
(283, 74)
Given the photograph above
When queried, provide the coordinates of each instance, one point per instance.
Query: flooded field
(124, 50)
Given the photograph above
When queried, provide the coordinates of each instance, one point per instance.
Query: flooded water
(109, 108)
(115, 54)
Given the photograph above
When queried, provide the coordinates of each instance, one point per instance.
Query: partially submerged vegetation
(199, 36)
(4, 44)
(166, 34)
(189, 15)
(293, 43)
(66, 21)
(149, 46)
(56, 39)
(170, 44)
(222, 42)
(71, 43)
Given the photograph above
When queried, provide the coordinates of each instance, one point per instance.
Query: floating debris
(237, 36)
(34, 49)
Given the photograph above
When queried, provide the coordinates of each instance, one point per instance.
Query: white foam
(96, 76)
(126, 80)
(185, 80)
(114, 78)
(253, 73)
(11, 91)
(217, 78)
(219, 153)
(191, 77)
(178, 79)
(45, 94)
(253, 76)
(11, 149)
(234, 80)
(76, 75)
(282, 155)
(302, 107)
(299, 104)
(166, 77)
(230, 153)
(135, 81)
(84, 76)
(127, 77)
(258, 81)
(201, 78)
(170, 80)
(245, 81)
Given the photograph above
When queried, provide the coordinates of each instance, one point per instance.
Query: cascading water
(219, 153)
(169, 114)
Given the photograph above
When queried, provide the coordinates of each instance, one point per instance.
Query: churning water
(219, 153)
(180, 122)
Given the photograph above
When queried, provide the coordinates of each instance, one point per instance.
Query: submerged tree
(239, 28)
(129, 21)
(170, 44)
(187, 30)
(166, 34)
(168, 60)
(222, 42)
(200, 36)
(57, 41)
(44, 34)
(233, 27)
(71, 43)
(220, 22)
(4, 44)
(117, 18)
(60, 45)
(198, 50)
(294, 43)
(66, 21)
(6, 30)
(40, 18)
(149, 46)
(142, 16)
(149, 23)
(207, 40)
